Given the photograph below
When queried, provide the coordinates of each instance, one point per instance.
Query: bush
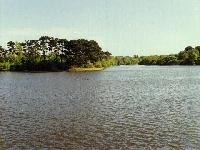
(98, 64)
(88, 65)
(4, 66)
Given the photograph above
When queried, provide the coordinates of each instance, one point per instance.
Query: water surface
(126, 107)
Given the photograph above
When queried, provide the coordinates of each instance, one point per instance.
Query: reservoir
(122, 107)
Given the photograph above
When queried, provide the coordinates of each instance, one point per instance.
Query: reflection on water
(127, 107)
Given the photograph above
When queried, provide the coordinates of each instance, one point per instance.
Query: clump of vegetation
(189, 56)
(127, 60)
(4, 66)
(51, 54)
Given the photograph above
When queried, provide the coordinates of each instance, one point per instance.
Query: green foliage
(88, 65)
(126, 60)
(5, 66)
(53, 54)
(189, 56)
(2, 54)
(149, 60)
(98, 64)
(167, 60)
(49, 53)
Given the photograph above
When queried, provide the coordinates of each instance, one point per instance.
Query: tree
(197, 48)
(19, 52)
(188, 48)
(193, 56)
(12, 51)
(61, 45)
(2, 54)
(80, 51)
(44, 45)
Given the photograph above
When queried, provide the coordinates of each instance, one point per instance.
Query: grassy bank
(84, 69)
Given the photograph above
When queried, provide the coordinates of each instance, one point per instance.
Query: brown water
(127, 107)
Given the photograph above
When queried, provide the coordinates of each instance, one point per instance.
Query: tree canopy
(189, 56)
(49, 53)
(53, 54)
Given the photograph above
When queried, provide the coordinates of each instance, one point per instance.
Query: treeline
(189, 56)
(52, 54)
(126, 60)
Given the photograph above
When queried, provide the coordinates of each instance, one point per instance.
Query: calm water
(127, 107)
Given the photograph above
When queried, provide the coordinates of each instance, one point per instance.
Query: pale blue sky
(123, 27)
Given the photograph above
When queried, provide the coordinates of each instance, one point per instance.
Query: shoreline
(79, 69)
(76, 69)
(84, 69)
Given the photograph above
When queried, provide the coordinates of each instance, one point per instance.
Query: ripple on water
(118, 108)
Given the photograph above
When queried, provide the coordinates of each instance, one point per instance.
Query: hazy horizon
(124, 28)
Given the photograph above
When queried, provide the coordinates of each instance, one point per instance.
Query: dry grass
(84, 69)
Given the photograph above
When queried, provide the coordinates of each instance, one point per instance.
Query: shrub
(98, 64)
(4, 66)
(88, 65)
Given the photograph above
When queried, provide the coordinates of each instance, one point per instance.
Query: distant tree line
(52, 54)
(189, 56)
(126, 60)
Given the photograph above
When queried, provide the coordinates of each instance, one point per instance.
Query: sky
(123, 27)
